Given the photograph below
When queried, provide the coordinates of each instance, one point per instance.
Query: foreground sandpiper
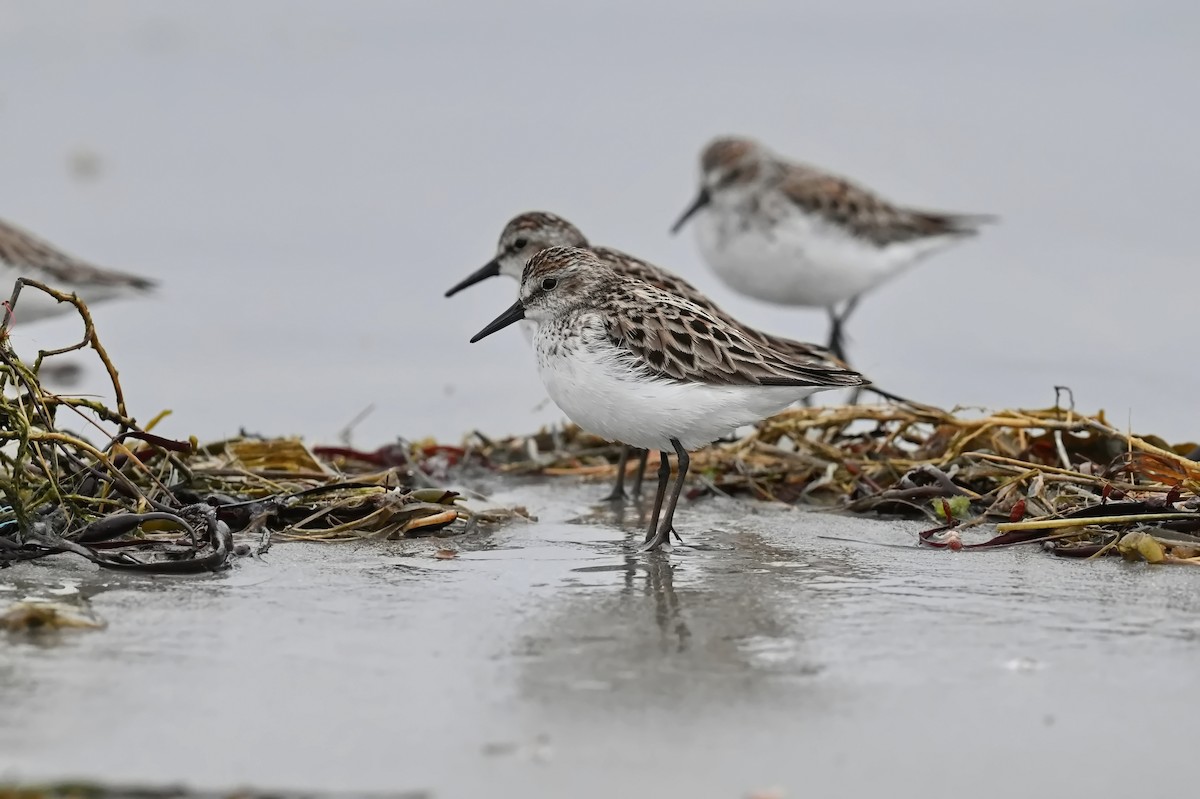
(24, 255)
(529, 233)
(634, 363)
(790, 234)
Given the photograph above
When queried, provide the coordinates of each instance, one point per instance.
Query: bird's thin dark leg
(683, 462)
(664, 476)
(635, 490)
(834, 343)
(837, 342)
(837, 328)
(849, 309)
(663, 535)
(618, 492)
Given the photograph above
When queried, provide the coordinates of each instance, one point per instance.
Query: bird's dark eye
(519, 244)
(549, 283)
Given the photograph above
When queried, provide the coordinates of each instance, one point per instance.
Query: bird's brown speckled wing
(24, 251)
(628, 266)
(867, 215)
(671, 337)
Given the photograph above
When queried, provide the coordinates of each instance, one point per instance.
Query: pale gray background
(307, 178)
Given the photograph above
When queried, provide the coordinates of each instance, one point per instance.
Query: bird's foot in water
(661, 541)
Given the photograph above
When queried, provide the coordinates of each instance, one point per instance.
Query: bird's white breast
(779, 253)
(590, 380)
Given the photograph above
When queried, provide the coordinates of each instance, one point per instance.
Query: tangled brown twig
(144, 502)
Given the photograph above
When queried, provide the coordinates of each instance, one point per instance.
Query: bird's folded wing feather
(667, 336)
(24, 251)
(627, 265)
(864, 213)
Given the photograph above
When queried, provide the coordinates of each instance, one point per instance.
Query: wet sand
(553, 659)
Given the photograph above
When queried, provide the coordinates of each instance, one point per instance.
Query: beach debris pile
(1070, 482)
(78, 476)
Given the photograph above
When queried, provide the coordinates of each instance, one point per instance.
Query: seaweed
(137, 501)
(1070, 482)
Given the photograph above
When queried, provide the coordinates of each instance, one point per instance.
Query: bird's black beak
(514, 314)
(702, 199)
(490, 269)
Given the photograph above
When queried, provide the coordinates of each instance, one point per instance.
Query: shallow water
(552, 659)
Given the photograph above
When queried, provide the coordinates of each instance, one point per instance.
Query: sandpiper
(790, 234)
(529, 233)
(24, 255)
(637, 364)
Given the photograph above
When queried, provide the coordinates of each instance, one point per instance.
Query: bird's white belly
(800, 259)
(600, 395)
